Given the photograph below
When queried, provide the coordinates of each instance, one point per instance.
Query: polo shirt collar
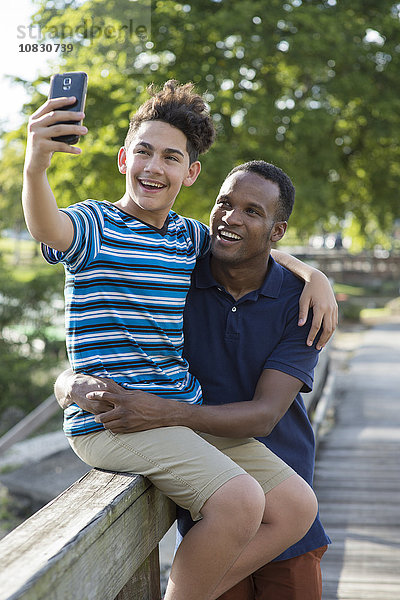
(271, 286)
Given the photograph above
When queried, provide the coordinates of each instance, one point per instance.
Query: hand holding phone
(69, 84)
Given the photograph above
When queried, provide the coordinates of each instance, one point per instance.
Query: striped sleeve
(88, 223)
(199, 234)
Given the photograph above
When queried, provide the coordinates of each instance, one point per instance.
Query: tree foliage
(27, 314)
(310, 85)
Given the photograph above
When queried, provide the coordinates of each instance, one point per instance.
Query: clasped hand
(120, 410)
(131, 410)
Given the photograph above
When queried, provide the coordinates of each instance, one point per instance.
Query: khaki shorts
(186, 466)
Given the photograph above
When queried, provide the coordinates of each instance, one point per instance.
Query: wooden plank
(324, 402)
(363, 558)
(356, 590)
(348, 436)
(320, 374)
(339, 453)
(357, 478)
(104, 524)
(381, 481)
(382, 536)
(358, 469)
(350, 495)
(145, 584)
(359, 514)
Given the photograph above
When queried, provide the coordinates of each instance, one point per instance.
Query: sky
(18, 34)
(15, 17)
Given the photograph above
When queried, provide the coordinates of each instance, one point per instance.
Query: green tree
(30, 347)
(12, 161)
(312, 86)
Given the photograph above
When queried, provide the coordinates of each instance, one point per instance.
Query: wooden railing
(362, 269)
(99, 539)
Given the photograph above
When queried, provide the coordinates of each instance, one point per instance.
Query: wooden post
(145, 584)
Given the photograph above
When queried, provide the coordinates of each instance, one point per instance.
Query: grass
(350, 290)
(374, 313)
(373, 316)
(26, 248)
(353, 300)
(24, 258)
(9, 468)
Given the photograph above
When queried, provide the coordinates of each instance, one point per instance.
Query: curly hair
(179, 106)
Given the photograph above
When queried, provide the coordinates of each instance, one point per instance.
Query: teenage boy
(128, 268)
(244, 346)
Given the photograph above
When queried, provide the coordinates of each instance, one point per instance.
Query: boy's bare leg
(290, 510)
(214, 555)
(231, 518)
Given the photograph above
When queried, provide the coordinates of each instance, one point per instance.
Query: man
(244, 345)
(296, 574)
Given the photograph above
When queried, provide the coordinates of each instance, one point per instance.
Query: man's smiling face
(242, 221)
(156, 165)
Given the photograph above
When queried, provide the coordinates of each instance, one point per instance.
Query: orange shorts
(292, 579)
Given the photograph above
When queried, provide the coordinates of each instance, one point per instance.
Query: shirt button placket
(232, 323)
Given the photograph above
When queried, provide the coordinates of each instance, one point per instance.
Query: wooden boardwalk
(358, 472)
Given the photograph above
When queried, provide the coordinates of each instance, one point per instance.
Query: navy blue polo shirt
(229, 342)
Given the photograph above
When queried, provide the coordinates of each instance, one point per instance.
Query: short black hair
(275, 174)
(179, 106)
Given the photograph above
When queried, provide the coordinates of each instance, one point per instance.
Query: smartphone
(69, 84)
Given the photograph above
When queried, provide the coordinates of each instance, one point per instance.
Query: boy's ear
(193, 173)
(122, 160)
(278, 231)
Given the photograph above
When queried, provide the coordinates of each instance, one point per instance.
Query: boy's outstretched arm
(317, 294)
(46, 223)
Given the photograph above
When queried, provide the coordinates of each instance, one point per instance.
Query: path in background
(358, 469)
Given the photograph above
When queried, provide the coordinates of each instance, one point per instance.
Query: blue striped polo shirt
(125, 291)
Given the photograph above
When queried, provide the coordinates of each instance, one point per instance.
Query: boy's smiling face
(156, 165)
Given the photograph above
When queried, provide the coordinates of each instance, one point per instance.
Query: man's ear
(122, 160)
(278, 231)
(193, 173)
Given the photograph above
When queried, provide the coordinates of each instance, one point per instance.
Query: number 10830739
(45, 47)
